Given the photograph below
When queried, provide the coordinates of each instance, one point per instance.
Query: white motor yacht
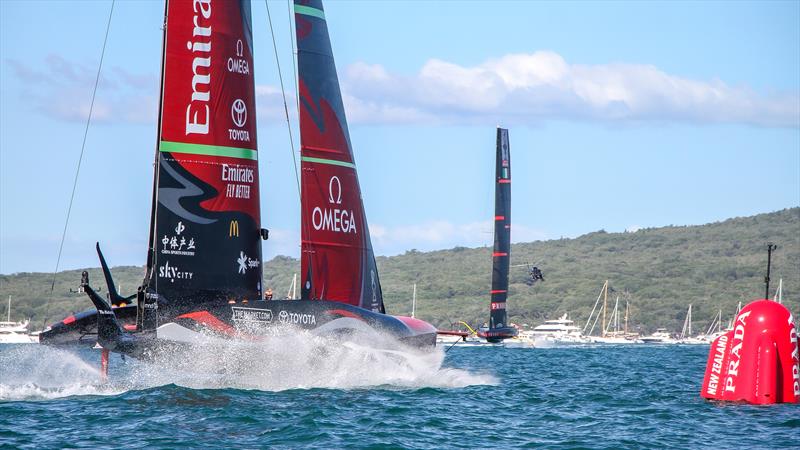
(661, 336)
(558, 332)
(15, 333)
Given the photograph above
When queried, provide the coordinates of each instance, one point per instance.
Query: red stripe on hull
(498, 291)
(419, 326)
(206, 318)
(345, 313)
(504, 181)
(499, 254)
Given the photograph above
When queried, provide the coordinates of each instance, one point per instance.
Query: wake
(31, 371)
(296, 361)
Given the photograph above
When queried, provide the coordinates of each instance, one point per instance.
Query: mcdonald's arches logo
(233, 229)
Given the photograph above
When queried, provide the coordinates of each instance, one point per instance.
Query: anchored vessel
(15, 332)
(557, 332)
(203, 271)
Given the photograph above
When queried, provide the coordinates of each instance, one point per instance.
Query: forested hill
(660, 271)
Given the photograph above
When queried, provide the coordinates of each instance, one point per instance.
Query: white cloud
(442, 234)
(525, 88)
(512, 89)
(269, 104)
(62, 89)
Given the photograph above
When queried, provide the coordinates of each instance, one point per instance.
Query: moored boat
(660, 336)
(558, 332)
(15, 332)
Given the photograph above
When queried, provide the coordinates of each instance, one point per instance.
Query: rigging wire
(294, 55)
(283, 92)
(303, 224)
(80, 160)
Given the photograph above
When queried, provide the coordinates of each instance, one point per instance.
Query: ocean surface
(294, 394)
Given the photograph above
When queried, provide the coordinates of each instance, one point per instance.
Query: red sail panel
(207, 179)
(337, 260)
(208, 122)
(333, 231)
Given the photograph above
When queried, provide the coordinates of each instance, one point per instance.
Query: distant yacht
(661, 336)
(552, 333)
(14, 332)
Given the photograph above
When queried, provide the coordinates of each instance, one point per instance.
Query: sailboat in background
(607, 335)
(204, 271)
(779, 292)
(686, 332)
(291, 294)
(498, 328)
(15, 332)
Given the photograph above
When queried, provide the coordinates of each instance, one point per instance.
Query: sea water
(321, 394)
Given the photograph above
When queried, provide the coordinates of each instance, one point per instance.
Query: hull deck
(249, 322)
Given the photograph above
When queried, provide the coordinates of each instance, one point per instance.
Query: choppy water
(297, 395)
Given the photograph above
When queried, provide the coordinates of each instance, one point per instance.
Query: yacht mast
(414, 301)
(605, 306)
(689, 319)
(627, 311)
(594, 308)
(687, 324)
(779, 293)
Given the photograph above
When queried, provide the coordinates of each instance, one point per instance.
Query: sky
(622, 115)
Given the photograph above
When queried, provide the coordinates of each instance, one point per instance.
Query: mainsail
(337, 260)
(501, 253)
(205, 229)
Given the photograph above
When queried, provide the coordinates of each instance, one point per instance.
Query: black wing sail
(501, 254)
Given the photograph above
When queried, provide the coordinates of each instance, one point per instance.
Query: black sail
(501, 254)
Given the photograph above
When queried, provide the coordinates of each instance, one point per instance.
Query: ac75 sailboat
(499, 329)
(203, 272)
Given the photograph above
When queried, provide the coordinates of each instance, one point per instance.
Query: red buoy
(757, 361)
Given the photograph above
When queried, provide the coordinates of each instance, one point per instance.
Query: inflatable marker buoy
(758, 361)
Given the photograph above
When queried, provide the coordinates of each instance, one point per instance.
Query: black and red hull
(251, 321)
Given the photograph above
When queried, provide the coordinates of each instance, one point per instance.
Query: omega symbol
(239, 48)
(338, 195)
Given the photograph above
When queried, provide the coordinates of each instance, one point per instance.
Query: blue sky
(621, 115)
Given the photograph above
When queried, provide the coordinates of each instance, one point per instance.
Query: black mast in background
(770, 248)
